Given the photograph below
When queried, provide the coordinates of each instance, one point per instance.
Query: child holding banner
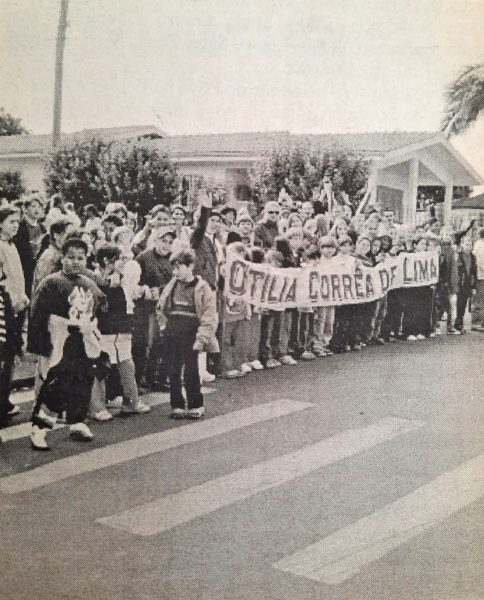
(324, 315)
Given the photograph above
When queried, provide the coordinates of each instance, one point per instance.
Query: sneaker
(207, 377)
(307, 355)
(347, 348)
(432, 335)
(14, 411)
(37, 439)
(80, 432)
(455, 332)
(412, 338)
(102, 415)
(272, 363)
(288, 360)
(256, 365)
(140, 409)
(115, 402)
(234, 374)
(195, 413)
(421, 337)
(246, 368)
(178, 413)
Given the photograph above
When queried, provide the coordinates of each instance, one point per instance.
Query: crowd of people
(114, 308)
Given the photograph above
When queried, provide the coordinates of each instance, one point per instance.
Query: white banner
(331, 284)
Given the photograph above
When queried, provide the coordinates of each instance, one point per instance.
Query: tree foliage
(10, 125)
(300, 169)
(98, 173)
(11, 185)
(464, 100)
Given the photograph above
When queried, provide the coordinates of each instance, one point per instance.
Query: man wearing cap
(266, 231)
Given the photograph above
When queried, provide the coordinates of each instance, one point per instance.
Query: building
(466, 209)
(400, 161)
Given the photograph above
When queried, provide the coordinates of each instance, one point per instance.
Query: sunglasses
(273, 212)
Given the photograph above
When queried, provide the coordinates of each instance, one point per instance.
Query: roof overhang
(438, 156)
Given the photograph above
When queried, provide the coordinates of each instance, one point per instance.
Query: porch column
(410, 198)
(449, 192)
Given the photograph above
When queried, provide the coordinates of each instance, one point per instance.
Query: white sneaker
(37, 438)
(207, 377)
(140, 409)
(308, 355)
(246, 368)
(421, 337)
(195, 413)
(178, 413)
(288, 360)
(80, 432)
(102, 415)
(412, 338)
(272, 363)
(116, 402)
(256, 365)
(234, 374)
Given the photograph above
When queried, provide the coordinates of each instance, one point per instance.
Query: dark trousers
(463, 297)
(182, 361)
(417, 311)
(6, 373)
(270, 335)
(393, 320)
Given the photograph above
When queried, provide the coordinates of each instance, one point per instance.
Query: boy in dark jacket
(466, 281)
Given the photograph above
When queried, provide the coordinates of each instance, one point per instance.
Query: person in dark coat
(466, 281)
(29, 237)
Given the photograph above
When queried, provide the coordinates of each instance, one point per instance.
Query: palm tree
(464, 100)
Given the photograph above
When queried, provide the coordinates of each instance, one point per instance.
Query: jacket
(25, 251)
(466, 276)
(206, 309)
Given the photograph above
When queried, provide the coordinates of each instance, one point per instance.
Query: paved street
(351, 477)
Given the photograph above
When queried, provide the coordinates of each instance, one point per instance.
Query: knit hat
(243, 215)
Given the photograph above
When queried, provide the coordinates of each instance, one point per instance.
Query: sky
(199, 66)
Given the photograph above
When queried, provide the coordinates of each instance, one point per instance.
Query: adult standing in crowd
(478, 302)
(266, 231)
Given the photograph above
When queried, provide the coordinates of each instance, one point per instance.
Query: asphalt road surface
(350, 477)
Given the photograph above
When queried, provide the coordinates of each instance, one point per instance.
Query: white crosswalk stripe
(343, 554)
(170, 511)
(22, 430)
(143, 446)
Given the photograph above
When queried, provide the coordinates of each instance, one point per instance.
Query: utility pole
(59, 58)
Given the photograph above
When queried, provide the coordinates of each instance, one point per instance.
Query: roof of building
(473, 202)
(40, 144)
(219, 144)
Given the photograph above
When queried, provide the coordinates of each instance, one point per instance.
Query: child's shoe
(178, 413)
(288, 360)
(102, 415)
(272, 363)
(246, 368)
(37, 439)
(140, 409)
(307, 355)
(80, 432)
(234, 374)
(421, 337)
(195, 413)
(412, 338)
(256, 365)
(207, 377)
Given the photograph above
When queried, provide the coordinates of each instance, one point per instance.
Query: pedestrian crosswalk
(155, 517)
(330, 559)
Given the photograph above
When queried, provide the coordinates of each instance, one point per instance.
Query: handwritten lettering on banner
(331, 284)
